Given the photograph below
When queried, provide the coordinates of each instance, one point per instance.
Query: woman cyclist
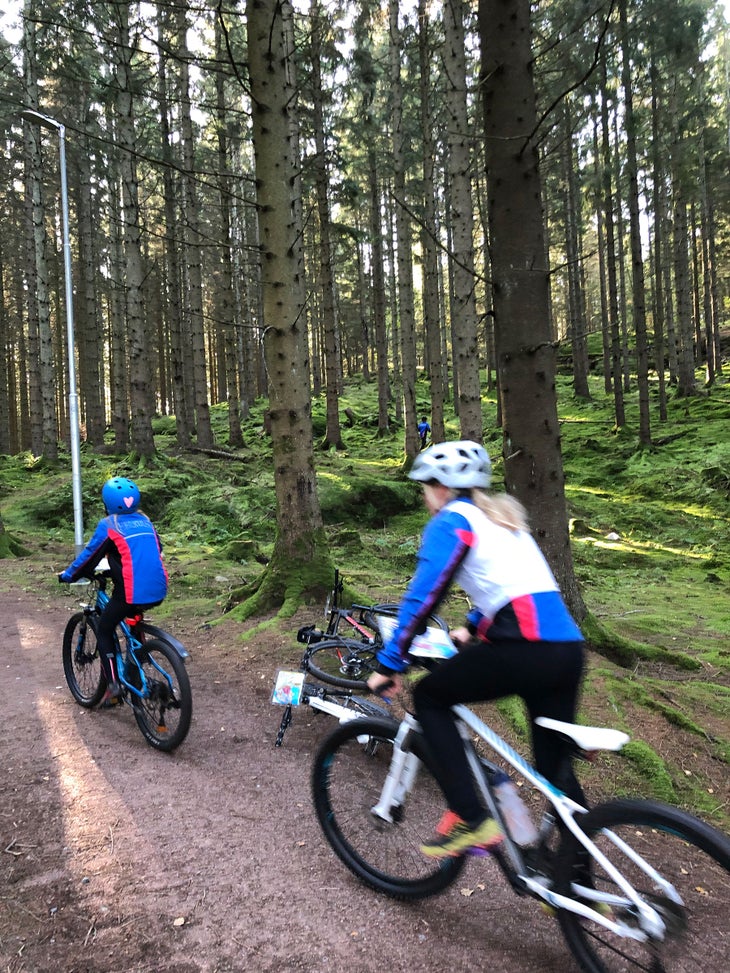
(519, 637)
(127, 538)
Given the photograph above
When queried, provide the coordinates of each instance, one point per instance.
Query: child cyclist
(519, 637)
(127, 538)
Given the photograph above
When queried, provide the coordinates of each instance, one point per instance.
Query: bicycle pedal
(477, 852)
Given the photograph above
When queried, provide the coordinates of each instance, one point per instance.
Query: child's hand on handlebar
(386, 686)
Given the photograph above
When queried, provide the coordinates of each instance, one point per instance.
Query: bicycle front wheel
(347, 779)
(693, 858)
(165, 709)
(341, 662)
(81, 662)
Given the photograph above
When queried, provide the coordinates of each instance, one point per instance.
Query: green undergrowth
(650, 532)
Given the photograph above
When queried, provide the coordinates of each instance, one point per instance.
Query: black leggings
(113, 614)
(547, 675)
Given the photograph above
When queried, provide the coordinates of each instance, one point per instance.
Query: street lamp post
(37, 118)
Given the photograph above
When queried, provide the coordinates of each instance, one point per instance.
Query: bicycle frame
(322, 700)
(125, 658)
(402, 773)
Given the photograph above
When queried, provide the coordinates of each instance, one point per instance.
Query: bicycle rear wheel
(341, 662)
(347, 779)
(687, 853)
(165, 710)
(81, 662)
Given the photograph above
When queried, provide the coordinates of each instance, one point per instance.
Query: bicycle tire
(369, 617)
(341, 662)
(348, 773)
(164, 713)
(690, 854)
(81, 662)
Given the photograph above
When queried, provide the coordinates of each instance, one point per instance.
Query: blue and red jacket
(132, 546)
(512, 590)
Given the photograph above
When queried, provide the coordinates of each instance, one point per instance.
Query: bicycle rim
(165, 710)
(341, 662)
(347, 778)
(81, 662)
(690, 855)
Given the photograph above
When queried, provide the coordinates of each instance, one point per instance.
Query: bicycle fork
(401, 774)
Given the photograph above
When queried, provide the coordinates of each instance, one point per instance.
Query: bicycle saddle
(587, 737)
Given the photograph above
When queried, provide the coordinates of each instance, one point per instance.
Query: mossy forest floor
(651, 544)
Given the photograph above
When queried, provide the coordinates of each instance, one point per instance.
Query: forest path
(118, 859)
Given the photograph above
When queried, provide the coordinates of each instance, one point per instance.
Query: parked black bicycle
(343, 654)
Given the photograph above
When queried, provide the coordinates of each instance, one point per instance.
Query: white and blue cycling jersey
(508, 581)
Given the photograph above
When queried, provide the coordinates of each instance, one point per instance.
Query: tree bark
(526, 353)
(459, 160)
(138, 348)
(300, 561)
(332, 345)
(406, 313)
(429, 234)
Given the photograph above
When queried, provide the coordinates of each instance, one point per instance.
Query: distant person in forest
(423, 430)
(130, 543)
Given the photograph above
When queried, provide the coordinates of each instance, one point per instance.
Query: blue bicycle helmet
(120, 495)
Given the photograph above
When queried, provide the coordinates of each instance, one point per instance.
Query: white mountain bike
(635, 884)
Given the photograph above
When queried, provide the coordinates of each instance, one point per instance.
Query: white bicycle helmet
(458, 465)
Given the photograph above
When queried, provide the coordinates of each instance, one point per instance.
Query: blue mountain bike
(150, 665)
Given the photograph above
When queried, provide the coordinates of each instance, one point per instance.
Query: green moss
(626, 652)
(651, 769)
(512, 709)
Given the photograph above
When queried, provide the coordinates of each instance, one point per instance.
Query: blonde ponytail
(502, 509)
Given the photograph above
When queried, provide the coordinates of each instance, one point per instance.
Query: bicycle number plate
(433, 644)
(288, 688)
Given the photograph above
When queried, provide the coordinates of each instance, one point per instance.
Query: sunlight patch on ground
(639, 547)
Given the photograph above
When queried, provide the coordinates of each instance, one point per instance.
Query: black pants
(113, 614)
(547, 675)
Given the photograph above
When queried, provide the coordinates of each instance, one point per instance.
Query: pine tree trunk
(532, 456)
(182, 390)
(224, 293)
(91, 378)
(44, 419)
(138, 345)
(406, 312)
(191, 232)
(459, 166)
(577, 324)
(659, 222)
(608, 208)
(429, 236)
(332, 348)
(637, 262)
(117, 330)
(378, 299)
(300, 561)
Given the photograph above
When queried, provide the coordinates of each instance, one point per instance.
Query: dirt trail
(119, 859)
